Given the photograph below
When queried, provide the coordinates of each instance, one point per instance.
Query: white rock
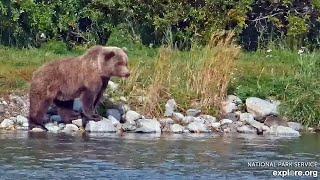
(166, 121)
(260, 108)
(208, 119)
(193, 112)
(246, 117)
(225, 121)
(170, 106)
(187, 119)
(6, 123)
(113, 120)
(197, 127)
(37, 130)
(115, 113)
(266, 129)
(77, 122)
(284, 131)
(105, 125)
(70, 128)
(132, 116)
(21, 120)
(177, 116)
(51, 127)
(228, 107)
(255, 124)
(233, 99)
(246, 129)
(177, 128)
(216, 125)
(148, 126)
(198, 119)
(296, 126)
(123, 99)
(127, 126)
(112, 86)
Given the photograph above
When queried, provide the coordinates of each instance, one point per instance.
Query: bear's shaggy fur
(87, 76)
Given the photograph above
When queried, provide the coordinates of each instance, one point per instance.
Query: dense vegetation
(294, 23)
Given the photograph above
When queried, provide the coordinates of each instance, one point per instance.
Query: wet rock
(225, 121)
(246, 129)
(284, 131)
(22, 121)
(296, 126)
(148, 126)
(51, 127)
(170, 106)
(177, 116)
(260, 108)
(37, 130)
(6, 123)
(127, 126)
(275, 121)
(197, 127)
(105, 125)
(61, 126)
(115, 113)
(193, 112)
(132, 116)
(177, 128)
(77, 122)
(70, 128)
(255, 124)
(113, 120)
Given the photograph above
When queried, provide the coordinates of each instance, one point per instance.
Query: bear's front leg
(89, 111)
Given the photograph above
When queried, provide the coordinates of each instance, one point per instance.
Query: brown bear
(86, 76)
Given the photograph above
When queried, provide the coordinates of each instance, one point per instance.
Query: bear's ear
(125, 50)
(109, 55)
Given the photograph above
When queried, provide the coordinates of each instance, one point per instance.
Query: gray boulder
(177, 128)
(296, 126)
(105, 125)
(260, 108)
(246, 129)
(70, 128)
(53, 128)
(148, 126)
(225, 121)
(22, 121)
(115, 113)
(77, 122)
(170, 106)
(132, 116)
(197, 127)
(6, 123)
(193, 112)
(284, 131)
(127, 126)
(177, 116)
(275, 121)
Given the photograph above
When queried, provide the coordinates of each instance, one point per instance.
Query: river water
(26, 155)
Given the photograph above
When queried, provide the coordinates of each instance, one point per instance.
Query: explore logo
(295, 173)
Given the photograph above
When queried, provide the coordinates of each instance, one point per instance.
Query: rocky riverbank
(254, 116)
